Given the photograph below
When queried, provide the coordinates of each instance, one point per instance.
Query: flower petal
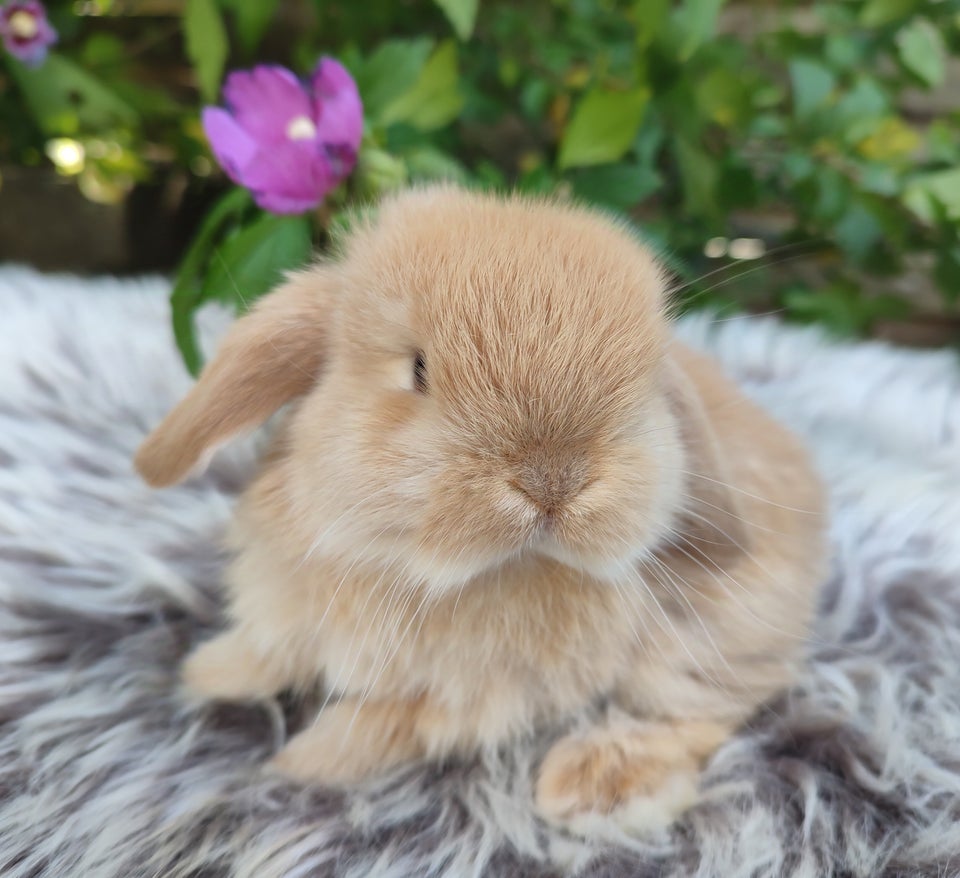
(31, 54)
(289, 177)
(30, 48)
(231, 144)
(281, 204)
(265, 99)
(339, 110)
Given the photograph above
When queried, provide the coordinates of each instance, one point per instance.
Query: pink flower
(26, 33)
(288, 141)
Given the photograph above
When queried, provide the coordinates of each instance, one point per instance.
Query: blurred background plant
(797, 157)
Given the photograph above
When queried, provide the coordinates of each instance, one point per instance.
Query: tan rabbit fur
(557, 503)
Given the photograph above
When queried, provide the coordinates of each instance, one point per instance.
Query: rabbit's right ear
(712, 519)
(271, 355)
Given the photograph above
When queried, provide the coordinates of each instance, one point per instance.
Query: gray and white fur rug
(104, 585)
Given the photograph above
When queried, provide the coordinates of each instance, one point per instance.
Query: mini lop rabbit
(502, 491)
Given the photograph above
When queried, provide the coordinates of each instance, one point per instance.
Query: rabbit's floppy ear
(270, 355)
(712, 519)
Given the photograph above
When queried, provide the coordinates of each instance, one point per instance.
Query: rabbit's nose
(550, 487)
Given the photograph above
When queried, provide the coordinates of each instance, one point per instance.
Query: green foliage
(234, 259)
(64, 99)
(880, 12)
(207, 44)
(812, 84)
(842, 308)
(795, 123)
(931, 196)
(190, 290)
(434, 99)
(922, 51)
(462, 15)
(252, 260)
(252, 20)
(693, 22)
(390, 73)
(602, 127)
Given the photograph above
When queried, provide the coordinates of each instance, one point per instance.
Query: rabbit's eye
(420, 373)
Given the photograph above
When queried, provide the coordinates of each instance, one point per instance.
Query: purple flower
(26, 33)
(288, 141)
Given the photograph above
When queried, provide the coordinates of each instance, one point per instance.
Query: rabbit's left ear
(712, 518)
(271, 355)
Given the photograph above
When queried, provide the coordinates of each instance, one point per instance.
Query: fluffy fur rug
(105, 584)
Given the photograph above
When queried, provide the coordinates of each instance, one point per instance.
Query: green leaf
(430, 163)
(922, 51)
(880, 179)
(767, 126)
(943, 143)
(890, 140)
(602, 127)
(649, 141)
(877, 13)
(843, 52)
(722, 96)
(840, 307)
(435, 100)
(64, 99)
(150, 102)
(252, 18)
(102, 49)
(812, 84)
(207, 46)
(835, 18)
(535, 95)
(947, 274)
(649, 18)
(620, 186)
(489, 175)
(509, 71)
(390, 72)
(462, 14)
(797, 166)
(539, 180)
(694, 22)
(857, 231)
(925, 193)
(253, 261)
(699, 177)
(832, 193)
(378, 171)
(861, 109)
(188, 291)
(737, 183)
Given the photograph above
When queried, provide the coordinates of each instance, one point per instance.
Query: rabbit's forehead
(503, 280)
(511, 303)
(507, 281)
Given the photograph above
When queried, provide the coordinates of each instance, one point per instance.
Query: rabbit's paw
(352, 740)
(643, 774)
(227, 669)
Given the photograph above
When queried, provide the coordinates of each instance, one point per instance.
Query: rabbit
(500, 491)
